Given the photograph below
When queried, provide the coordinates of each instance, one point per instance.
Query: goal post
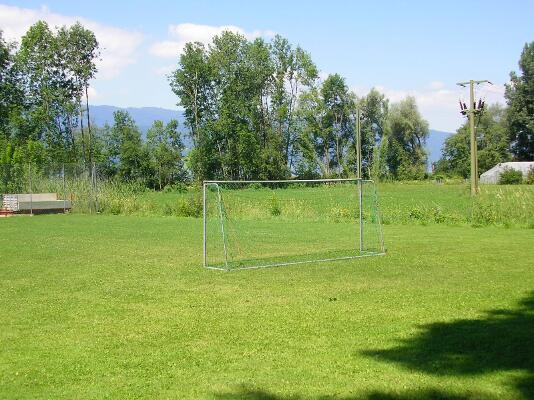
(255, 224)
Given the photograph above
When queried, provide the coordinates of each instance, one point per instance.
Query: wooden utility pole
(474, 110)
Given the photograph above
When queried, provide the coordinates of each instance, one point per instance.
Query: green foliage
(178, 187)
(274, 206)
(126, 153)
(405, 154)
(510, 176)
(52, 72)
(165, 148)
(189, 206)
(530, 176)
(492, 142)
(327, 139)
(520, 98)
(239, 98)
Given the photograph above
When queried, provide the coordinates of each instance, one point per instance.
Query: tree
(492, 143)
(79, 49)
(294, 71)
(125, 150)
(327, 129)
(375, 112)
(165, 149)
(9, 98)
(53, 71)
(406, 156)
(520, 98)
(240, 99)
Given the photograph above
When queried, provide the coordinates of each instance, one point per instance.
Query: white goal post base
(268, 223)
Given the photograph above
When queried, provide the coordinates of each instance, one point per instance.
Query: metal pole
(286, 181)
(359, 174)
(31, 188)
(358, 144)
(204, 247)
(94, 186)
(64, 189)
(221, 216)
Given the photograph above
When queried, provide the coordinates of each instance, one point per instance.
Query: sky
(417, 48)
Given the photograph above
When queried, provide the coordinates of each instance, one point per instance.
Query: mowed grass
(116, 307)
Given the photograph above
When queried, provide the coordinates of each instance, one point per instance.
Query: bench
(34, 203)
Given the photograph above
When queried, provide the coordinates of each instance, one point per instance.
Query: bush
(274, 207)
(178, 187)
(510, 176)
(530, 176)
(189, 206)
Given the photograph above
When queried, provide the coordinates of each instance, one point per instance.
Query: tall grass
(400, 203)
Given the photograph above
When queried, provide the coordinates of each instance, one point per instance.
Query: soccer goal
(255, 224)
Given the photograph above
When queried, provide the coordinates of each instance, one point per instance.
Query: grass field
(113, 307)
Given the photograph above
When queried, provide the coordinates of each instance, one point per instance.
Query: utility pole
(474, 109)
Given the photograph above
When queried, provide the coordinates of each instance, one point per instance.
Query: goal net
(254, 224)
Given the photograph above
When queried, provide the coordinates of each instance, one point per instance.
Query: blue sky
(418, 48)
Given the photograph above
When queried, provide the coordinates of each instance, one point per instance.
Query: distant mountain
(434, 143)
(145, 116)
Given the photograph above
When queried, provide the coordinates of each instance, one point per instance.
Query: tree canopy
(253, 109)
(520, 98)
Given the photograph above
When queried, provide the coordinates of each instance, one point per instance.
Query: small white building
(492, 175)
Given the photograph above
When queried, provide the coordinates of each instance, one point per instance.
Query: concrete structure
(34, 203)
(492, 175)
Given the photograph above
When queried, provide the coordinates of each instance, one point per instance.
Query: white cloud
(164, 70)
(118, 46)
(438, 102)
(181, 34)
(436, 85)
(93, 94)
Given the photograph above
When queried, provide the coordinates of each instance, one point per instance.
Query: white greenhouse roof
(492, 175)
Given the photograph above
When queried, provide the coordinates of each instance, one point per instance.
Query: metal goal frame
(358, 181)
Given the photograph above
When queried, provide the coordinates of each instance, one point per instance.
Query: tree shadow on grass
(246, 393)
(502, 341)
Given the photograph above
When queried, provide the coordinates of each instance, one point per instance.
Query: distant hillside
(145, 116)
(434, 143)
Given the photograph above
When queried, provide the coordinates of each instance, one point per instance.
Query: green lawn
(118, 307)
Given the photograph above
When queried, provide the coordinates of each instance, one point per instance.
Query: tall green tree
(240, 99)
(53, 70)
(520, 98)
(294, 71)
(165, 149)
(406, 156)
(79, 50)
(375, 112)
(10, 99)
(125, 152)
(327, 136)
